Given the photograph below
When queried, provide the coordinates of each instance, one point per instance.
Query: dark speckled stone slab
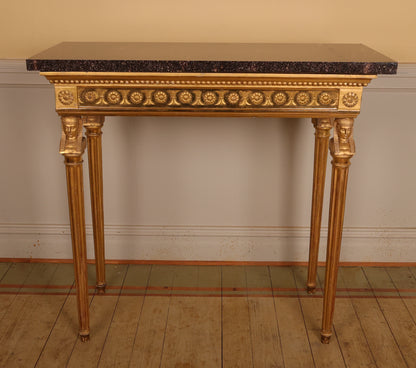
(212, 58)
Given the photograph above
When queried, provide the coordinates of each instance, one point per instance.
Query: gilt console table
(319, 81)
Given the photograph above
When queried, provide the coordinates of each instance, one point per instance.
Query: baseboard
(208, 243)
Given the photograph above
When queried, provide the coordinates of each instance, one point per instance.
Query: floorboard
(206, 316)
(376, 329)
(294, 337)
(348, 330)
(150, 336)
(101, 315)
(36, 314)
(324, 355)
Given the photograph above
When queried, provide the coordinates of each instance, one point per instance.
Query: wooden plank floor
(206, 316)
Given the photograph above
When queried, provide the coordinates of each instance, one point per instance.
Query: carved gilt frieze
(146, 92)
(207, 98)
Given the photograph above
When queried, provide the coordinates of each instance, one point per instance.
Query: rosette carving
(350, 99)
(185, 97)
(232, 98)
(136, 97)
(256, 98)
(113, 97)
(90, 96)
(209, 98)
(66, 97)
(303, 98)
(280, 98)
(160, 97)
(325, 98)
(221, 98)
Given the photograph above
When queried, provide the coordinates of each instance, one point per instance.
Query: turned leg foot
(100, 288)
(84, 338)
(325, 338)
(311, 288)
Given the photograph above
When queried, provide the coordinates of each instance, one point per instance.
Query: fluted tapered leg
(322, 132)
(72, 147)
(342, 148)
(93, 125)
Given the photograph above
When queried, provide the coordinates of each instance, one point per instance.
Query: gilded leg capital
(322, 127)
(72, 142)
(93, 124)
(342, 145)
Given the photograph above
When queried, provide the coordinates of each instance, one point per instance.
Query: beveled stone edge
(179, 66)
(13, 73)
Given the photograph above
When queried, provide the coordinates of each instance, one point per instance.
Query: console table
(320, 81)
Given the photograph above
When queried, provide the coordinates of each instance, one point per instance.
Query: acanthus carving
(207, 98)
(72, 141)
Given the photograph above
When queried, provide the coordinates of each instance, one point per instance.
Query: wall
(32, 26)
(207, 188)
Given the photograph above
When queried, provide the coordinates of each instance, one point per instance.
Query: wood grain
(267, 349)
(30, 326)
(376, 329)
(324, 355)
(120, 340)
(148, 346)
(193, 333)
(237, 346)
(351, 339)
(245, 329)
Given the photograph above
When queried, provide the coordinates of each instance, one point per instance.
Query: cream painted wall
(28, 27)
(207, 188)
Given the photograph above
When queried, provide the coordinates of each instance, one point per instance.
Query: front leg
(342, 148)
(72, 148)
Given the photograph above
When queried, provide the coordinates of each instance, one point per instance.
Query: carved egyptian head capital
(343, 137)
(71, 138)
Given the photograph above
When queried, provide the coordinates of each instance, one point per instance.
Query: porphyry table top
(160, 57)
